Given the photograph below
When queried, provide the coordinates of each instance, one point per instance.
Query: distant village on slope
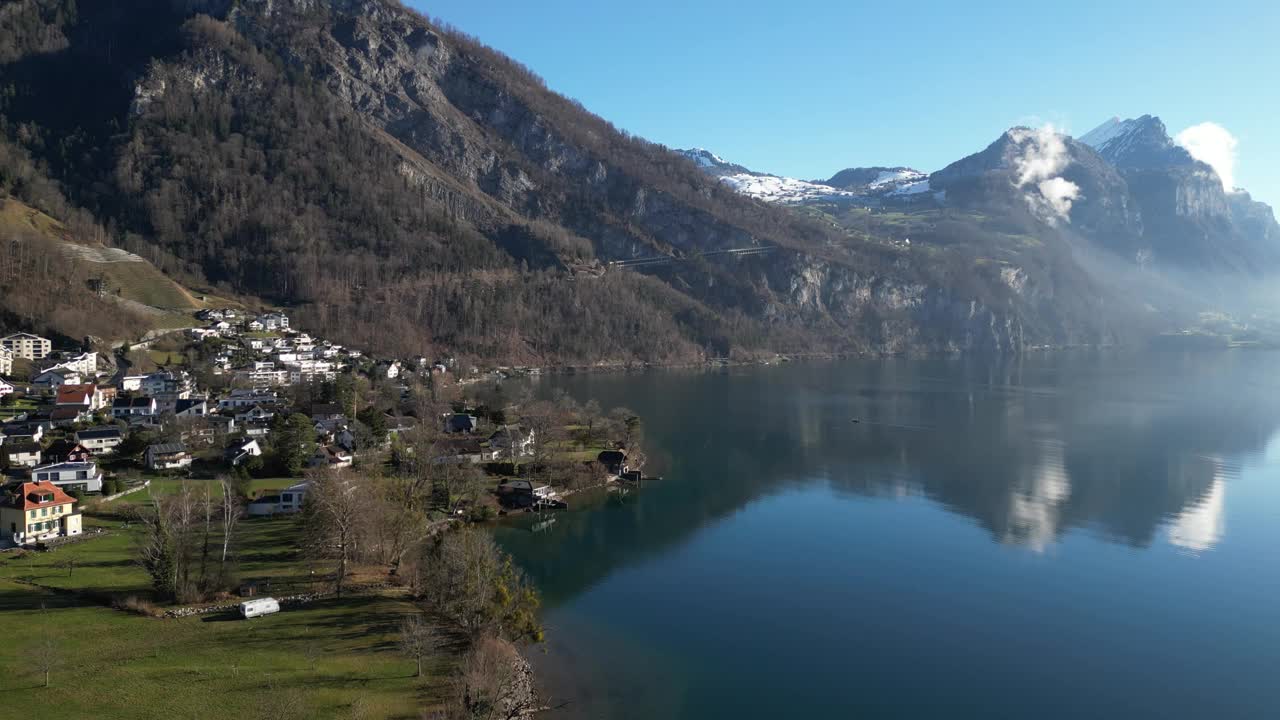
(247, 395)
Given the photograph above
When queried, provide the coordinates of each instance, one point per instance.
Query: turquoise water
(1065, 536)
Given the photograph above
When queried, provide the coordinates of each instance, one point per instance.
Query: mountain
(880, 181)
(1190, 218)
(871, 185)
(757, 185)
(401, 186)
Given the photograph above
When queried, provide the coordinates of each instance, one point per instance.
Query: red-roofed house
(34, 511)
(87, 397)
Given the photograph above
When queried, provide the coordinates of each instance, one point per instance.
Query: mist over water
(1058, 536)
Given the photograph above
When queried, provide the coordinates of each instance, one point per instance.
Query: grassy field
(329, 659)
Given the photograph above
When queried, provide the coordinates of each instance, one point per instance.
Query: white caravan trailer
(261, 606)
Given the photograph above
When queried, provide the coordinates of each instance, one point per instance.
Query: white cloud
(1043, 156)
(1215, 146)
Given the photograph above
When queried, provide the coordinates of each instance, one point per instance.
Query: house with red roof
(33, 512)
(84, 396)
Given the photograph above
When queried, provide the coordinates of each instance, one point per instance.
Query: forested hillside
(401, 186)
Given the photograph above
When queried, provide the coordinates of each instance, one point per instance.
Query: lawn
(314, 661)
(310, 661)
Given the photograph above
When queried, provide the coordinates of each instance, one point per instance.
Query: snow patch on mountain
(772, 188)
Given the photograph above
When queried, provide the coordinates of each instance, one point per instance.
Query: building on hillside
(389, 369)
(241, 451)
(27, 346)
(307, 371)
(461, 423)
(126, 408)
(246, 397)
(6, 362)
(273, 321)
(24, 432)
(68, 416)
(31, 512)
(62, 451)
(512, 441)
(331, 456)
(85, 363)
(191, 408)
(132, 383)
(167, 383)
(100, 440)
(82, 476)
(167, 456)
(288, 502)
(84, 397)
(5, 388)
(21, 454)
(57, 377)
(262, 375)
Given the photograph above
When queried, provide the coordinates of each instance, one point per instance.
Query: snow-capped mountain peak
(871, 184)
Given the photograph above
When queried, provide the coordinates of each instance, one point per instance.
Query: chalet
(460, 423)
(27, 346)
(34, 511)
(82, 476)
(512, 441)
(241, 451)
(255, 326)
(100, 440)
(6, 362)
(133, 407)
(21, 454)
(63, 451)
(56, 378)
(167, 456)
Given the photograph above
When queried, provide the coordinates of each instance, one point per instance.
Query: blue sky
(805, 88)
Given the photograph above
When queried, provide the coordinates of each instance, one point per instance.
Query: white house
(512, 441)
(21, 454)
(5, 388)
(133, 407)
(244, 397)
(167, 456)
(131, 383)
(82, 476)
(288, 502)
(57, 377)
(86, 364)
(239, 453)
(6, 362)
(274, 321)
(100, 440)
(26, 345)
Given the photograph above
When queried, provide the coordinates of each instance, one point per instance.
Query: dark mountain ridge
(402, 186)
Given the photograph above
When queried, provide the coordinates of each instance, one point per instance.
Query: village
(245, 463)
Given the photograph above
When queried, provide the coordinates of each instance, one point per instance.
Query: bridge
(667, 259)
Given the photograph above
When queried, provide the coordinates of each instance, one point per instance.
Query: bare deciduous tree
(334, 513)
(418, 640)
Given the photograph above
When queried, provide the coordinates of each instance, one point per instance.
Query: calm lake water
(1062, 536)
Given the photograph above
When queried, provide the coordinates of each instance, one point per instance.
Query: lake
(1058, 536)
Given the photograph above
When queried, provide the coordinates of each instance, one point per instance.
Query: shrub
(137, 606)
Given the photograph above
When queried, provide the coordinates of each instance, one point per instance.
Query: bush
(137, 606)
(480, 513)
